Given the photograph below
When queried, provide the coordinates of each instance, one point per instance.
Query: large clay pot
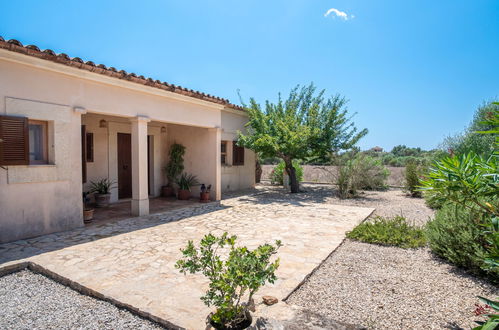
(184, 194)
(245, 323)
(204, 197)
(167, 191)
(88, 215)
(102, 200)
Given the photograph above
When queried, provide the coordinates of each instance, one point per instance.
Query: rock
(269, 300)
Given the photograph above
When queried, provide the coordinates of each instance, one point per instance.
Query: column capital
(140, 119)
(80, 110)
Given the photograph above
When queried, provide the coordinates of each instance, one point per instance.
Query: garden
(416, 267)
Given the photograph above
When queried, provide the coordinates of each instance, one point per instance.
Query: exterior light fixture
(103, 123)
(163, 129)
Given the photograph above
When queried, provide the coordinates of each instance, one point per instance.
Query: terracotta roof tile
(62, 58)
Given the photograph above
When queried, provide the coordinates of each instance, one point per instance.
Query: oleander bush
(394, 231)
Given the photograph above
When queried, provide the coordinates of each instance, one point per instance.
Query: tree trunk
(258, 171)
(293, 181)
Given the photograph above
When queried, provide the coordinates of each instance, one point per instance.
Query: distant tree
(469, 141)
(304, 125)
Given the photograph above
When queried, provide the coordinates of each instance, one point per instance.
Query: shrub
(276, 177)
(232, 279)
(412, 172)
(370, 174)
(433, 202)
(456, 234)
(175, 164)
(385, 231)
(361, 173)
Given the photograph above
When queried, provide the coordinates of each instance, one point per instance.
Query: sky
(413, 71)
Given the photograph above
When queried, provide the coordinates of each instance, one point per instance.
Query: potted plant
(88, 212)
(185, 182)
(234, 278)
(174, 167)
(204, 195)
(102, 192)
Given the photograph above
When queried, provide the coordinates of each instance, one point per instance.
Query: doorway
(124, 165)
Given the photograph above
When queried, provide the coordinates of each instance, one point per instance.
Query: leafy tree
(304, 125)
(469, 141)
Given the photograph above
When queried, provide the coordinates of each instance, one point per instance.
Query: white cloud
(338, 13)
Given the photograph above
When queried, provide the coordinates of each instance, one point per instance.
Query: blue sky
(414, 71)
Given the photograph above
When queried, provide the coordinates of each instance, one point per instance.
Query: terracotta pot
(102, 200)
(184, 194)
(88, 215)
(167, 191)
(245, 323)
(204, 197)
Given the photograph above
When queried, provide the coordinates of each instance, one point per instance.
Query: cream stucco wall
(41, 199)
(236, 177)
(38, 199)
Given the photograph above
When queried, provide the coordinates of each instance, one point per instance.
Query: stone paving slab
(133, 260)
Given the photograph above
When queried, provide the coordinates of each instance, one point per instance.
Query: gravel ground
(391, 203)
(32, 301)
(388, 287)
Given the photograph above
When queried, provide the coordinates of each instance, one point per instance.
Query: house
(377, 149)
(65, 122)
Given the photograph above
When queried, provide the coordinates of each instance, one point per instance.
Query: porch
(132, 153)
(123, 209)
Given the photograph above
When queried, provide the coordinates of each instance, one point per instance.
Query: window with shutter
(14, 140)
(237, 154)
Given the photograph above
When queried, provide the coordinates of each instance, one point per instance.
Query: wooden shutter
(237, 154)
(83, 154)
(90, 147)
(14, 140)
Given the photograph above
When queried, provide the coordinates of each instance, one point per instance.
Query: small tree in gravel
(231, 279)
(304, 125)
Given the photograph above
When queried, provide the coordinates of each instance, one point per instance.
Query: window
(37, 142)
(23, 141)
(237, 154)
(223, 152)
(90, 147)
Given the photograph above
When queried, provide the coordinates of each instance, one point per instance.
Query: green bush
(234, 278)
(370, 173)
(385, 231)
(276, 177)
(412, 173)
(456, 234)
(361, 173)
(433, 202)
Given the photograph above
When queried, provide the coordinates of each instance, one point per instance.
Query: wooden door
(124, 165)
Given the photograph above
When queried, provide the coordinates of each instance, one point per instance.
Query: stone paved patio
(133, 260)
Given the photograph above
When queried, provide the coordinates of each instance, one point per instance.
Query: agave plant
(186, 181)
(102, 187)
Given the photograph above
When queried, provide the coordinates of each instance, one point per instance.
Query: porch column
(140, 197)
(214, 141)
